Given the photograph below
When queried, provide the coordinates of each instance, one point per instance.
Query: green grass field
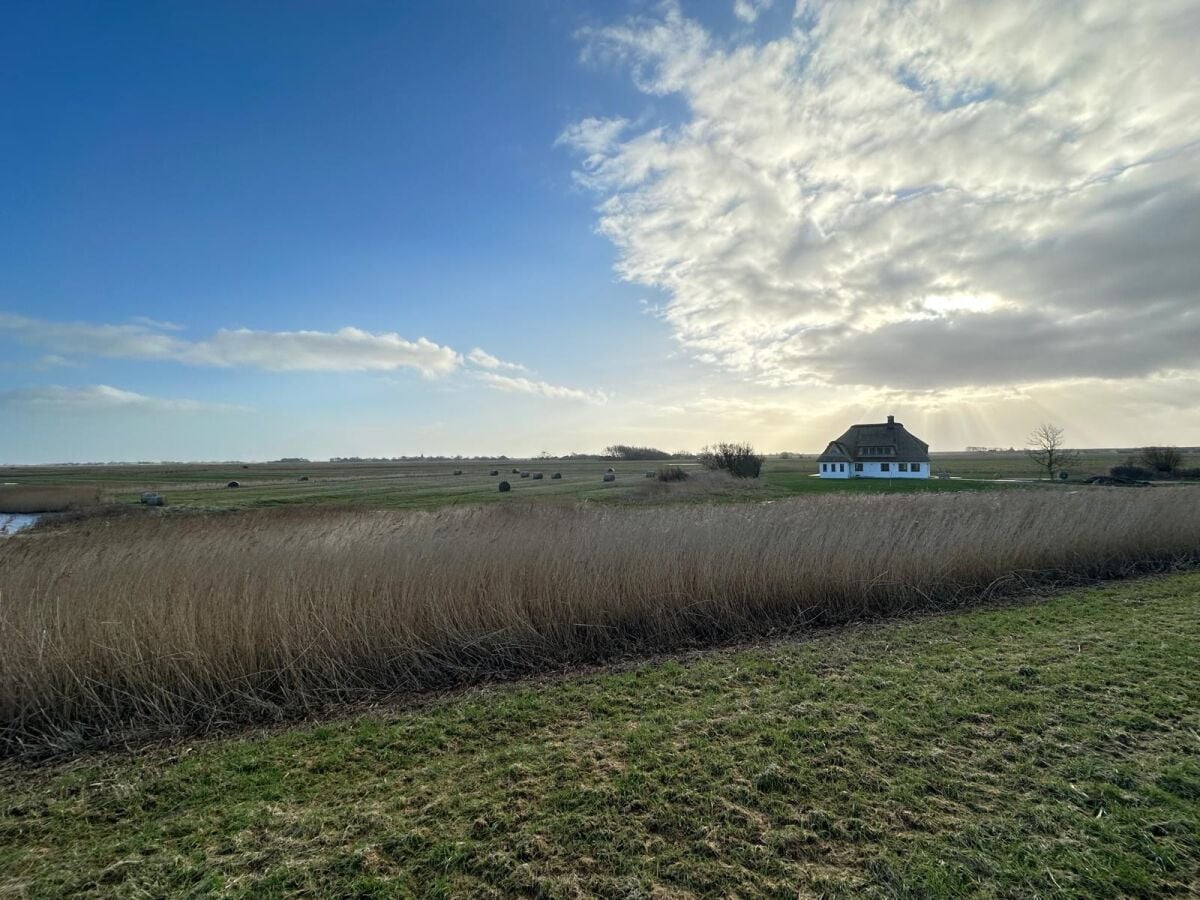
(427, 485)
(1044, 749)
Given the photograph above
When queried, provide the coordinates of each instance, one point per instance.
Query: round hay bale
(556, 475)
(458, 471)
(233, 484)
(609, 476)
(494, 472)
(611, 470)
(536, 476)
(505, 487)
(302, 478)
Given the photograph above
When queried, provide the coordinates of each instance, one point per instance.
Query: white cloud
(100, 398)
(485, 360)
(347, 350)
(916, 194)
(514, 384)
(749, 10)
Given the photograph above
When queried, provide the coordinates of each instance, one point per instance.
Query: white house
(875, 451)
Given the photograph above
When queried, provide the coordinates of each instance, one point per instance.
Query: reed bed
(189, 622)
(17, 498)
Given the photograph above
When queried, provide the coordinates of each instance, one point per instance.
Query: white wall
(872, 470)
(846, 473)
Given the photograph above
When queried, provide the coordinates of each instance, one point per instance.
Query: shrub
(1187, 473)
(739, 460)
(1160, 459)
(671, 473)
(1129, 470)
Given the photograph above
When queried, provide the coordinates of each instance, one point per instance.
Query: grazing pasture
(1046, 749)
(183, 622)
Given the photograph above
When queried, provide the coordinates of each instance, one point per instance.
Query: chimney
(891, 421)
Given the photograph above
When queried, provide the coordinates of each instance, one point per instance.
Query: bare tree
(1161, 459)
(1046, 448)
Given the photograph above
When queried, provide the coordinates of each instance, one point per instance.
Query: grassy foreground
(1043, 749)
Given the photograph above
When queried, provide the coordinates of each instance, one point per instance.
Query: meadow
(430, 484)
(162, 624)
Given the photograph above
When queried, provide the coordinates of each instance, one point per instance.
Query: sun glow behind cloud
(920, 196)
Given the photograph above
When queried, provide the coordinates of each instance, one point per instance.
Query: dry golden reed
(20, 498)
(173, 622)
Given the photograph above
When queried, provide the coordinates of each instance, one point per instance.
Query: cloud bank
(99, 398)
(917, 195)
(345, 350)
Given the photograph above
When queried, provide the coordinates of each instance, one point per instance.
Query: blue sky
(652, 218)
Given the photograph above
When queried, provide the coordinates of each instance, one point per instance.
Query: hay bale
(609, 476)
(556, 475)
(515, 471)
(505, 487)
(302, 478)
(458, 471)
(536, 476)
(233, 484)
(152, 498)
(611, 470)
(494, 472)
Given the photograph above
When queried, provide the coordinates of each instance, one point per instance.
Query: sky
(254, 230)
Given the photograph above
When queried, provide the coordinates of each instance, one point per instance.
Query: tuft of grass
(1043, 749)
(170, 623)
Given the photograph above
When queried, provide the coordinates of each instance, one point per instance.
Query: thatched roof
(896, 443)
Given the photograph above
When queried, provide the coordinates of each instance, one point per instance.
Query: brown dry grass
(185, 622)
(19, 498)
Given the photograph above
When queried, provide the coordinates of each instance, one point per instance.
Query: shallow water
(11, 523)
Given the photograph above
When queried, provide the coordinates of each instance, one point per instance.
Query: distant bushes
(738, 460)
(629, 451)
(671, 473)
(1131, 470)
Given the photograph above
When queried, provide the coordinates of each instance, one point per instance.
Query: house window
(858, 467)
(885, 467)
(916, 467)
(823, 468)
(903, 467)
(841, 467)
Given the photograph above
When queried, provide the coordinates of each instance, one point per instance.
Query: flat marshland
(432, 484)
(165, 623)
